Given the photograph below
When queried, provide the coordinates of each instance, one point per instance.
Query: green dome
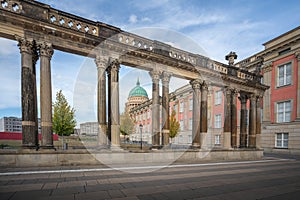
(138, 91)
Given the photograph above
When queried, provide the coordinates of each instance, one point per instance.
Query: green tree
(126, 124)
(63, 116)
(174, 125)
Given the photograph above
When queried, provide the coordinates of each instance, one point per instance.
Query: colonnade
(109, 129)
(31, 51)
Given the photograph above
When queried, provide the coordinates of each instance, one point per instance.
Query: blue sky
(212, 28)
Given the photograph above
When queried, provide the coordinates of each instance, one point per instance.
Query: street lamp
(141, 132)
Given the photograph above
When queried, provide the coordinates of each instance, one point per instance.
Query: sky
(211, 28)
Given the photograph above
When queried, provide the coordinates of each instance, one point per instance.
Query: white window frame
(181, 122)
(218, 123)
(281, 141)
(284, 112)
(191, 104)
(217, 139)
(181, 107)
(190, 139)
(287, 78)
(218, 97)
(191, 123)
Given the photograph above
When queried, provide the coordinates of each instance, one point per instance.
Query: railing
(97, 29)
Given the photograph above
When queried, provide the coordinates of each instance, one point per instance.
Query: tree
(126, 124)
(174, 125)
(63, 116)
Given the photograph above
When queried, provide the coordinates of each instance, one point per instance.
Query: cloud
(8, 47)
(132, 19)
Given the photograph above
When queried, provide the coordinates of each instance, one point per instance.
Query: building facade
(279, 112)
(280, 62)
(13, 124)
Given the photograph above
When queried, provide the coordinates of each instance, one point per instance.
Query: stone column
(102, 63)
(155, 108)
(258, 122)
(243, 125)
(234, 119)
(196, 113)
(114, 117)
(252, 121)
(203, 116)
(267, 72)
(165, 106)
(28, 93)
(227, 118)
(297, 55)
(46, 52)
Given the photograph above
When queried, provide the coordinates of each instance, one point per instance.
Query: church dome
(138, 91)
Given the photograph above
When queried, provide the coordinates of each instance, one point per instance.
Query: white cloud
(8, 47)
(132, 19)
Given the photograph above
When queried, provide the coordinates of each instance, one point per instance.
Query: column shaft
(165, 108)
(258, 122)
(227, 118)
(101, 63)
(243, 123)
(46, 52)
(196, 113)
(203, 116)
(28, 93)
(113, 71)
(234, 120)
(155, 108)
(252, 122)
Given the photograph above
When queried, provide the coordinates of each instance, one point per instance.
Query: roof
(138, 91)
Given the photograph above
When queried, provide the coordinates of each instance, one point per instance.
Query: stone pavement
(264, 179)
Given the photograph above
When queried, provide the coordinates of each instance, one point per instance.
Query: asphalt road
(271, 178)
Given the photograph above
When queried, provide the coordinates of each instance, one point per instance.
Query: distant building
(89, 128)
(10, 124)
(13, 124)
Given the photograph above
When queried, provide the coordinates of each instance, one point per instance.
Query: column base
(48, 147)
(27, 146)
(195, 146)
(116, 148)
(227, 140)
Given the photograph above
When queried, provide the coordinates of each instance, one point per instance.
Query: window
(181, 125)
(281, 140)
(218, 97)
(181, 106)
(218, 121)
(191, 104)
(191, 124)
(180, 139)
(217, 139)
(284, 75)
(284, 111)
(190, 139)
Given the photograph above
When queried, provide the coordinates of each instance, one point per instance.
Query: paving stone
(116, 193)
(6, 195)
(33, 194)
(69, 190)
(92, 195)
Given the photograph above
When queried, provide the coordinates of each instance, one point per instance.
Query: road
(271, 178)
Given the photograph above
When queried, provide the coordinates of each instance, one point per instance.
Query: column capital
(204, 86)
(25, 45)
(101, 61)
(45, 49)
(196, 84)
(252, 97)
(155, 75)
(165, 77)
(267, 67)
(114, 65)
(243, 98)
(297, 55)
